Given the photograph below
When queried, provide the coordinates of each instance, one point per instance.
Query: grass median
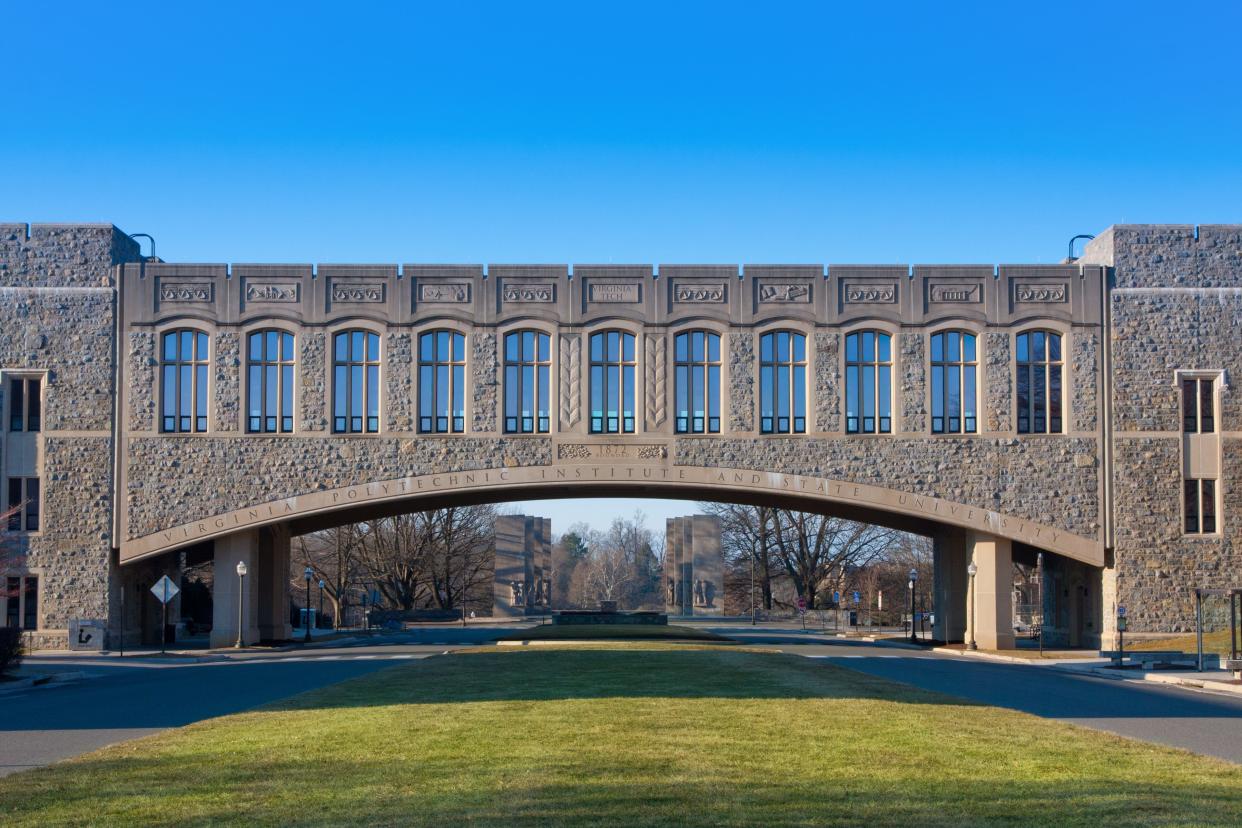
(632, 736)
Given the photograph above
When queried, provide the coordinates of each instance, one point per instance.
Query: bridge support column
(990, 612)
(229, 551)
(951, 585)
(273, 584)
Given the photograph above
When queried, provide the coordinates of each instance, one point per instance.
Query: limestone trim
(618, 475)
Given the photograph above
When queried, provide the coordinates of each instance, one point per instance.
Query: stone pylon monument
(522, 583)
(693, 566)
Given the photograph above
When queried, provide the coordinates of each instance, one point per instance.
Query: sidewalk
(1214, 680)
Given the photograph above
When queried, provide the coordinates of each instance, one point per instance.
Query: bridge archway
(259, 535)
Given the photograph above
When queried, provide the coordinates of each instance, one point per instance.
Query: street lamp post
(1039, 578)
(309, 573)
(972, 570)
(241, 600)
(321, 585)
(752, 590)
(914, 576)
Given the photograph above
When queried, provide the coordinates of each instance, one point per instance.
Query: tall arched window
(953, 369)
(782, 383)
(269, 382)
(696, 381)
(355, 391)
(612, 382)
(442, 382)
(183, 368)
(1039, 382)
(528, 365)
(868, 383)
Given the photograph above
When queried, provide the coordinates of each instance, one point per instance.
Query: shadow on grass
(180, 791)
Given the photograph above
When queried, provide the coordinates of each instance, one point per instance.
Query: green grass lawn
(1213, 642)
(633, 737)
(613, 632)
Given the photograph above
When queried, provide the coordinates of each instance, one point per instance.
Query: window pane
(851, 348)
(426, 393)
(782, 346)
(885, 406)
(1054, 347)
(1207, 418)
(868, 398)
(765, 348)
(512, 347)
(357, 350)
(1207, 505)
(426, 347)
(459, 348)
(852, 411)
(968, 347)
(681, 406)
(1022, 348)
(1037, 347)
(200, 352)
(799, 347)
(32, 504)
(937, 348)
(372, 391)
(442, 392)
(766, 391)
(459, 397)
(356, 392)
(170, 347)
(937, 399)
(1054, 399)
(968, 398)
(17, 404)
(884, 346)
(1024, 399)
(597, 347)
(1192, 506)
(185, 349)
(286, 395)
(952, 347)
(1039, 399)
(627, 347)
(614, 346)
(698, 393)
(628, 396)
(713, 397)
(868, 346)
(953, 400)
(543, 348)
(799, 398)
(713, 347)
(545, 410)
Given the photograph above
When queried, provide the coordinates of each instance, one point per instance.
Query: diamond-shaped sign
(165, 589)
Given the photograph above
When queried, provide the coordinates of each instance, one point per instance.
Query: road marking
(363, 657)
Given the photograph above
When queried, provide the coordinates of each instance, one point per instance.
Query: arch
(864, 502)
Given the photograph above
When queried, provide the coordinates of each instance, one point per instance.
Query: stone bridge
(1003, 411)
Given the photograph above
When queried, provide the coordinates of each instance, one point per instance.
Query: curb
(40, 681)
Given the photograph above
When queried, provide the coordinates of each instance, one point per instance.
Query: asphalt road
(122, 700)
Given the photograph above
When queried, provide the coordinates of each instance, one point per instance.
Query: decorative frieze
(1041, 293)
(544, 292)
(611, 451)
(692, 293)
(612, 292)
(359, 293)
(784, 292)
(455, 293)
(271, 292)
(868, 294)
(187, 292)
(960, 294)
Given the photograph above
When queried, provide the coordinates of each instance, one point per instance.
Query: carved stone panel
(694, 293)
(657, 384)
(1036, 293)
(571, 363)
(538, 292)
(955, 293)
(612, 292)
(263, 293)
(457, 293)
(869, 294)
(197, 293)
(358, 292)
(775, 292)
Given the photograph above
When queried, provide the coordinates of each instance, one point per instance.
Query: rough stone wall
(741, 381)
(225, 353)
(312, 375)
(62, 255)
(1007, 475)
(161, 493)
(142, 364)
(1176, 304)
(829, 389)
(397, 381)
(998, 404)
(1085, 365)
(68, 333)
(913, 383)
(485, 377)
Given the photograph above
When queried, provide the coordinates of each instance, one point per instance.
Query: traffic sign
(165, 589)
(1121, 612)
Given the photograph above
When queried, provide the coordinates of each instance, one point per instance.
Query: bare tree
(814, 548)
(621, 564)
(335, 556)
(746, 536)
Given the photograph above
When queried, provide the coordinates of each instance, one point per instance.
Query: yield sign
(165, 589)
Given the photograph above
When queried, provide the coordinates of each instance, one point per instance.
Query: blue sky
(634, 132)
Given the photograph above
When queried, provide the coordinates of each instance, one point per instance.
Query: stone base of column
(229, 589)
(990, 611)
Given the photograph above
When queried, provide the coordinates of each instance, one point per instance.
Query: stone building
(693, 566)
(522, 583)
(159, 413)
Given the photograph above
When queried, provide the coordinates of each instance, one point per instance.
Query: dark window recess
(25, 402)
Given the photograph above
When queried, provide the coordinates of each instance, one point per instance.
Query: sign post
(165, 590)
(1121, 636)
